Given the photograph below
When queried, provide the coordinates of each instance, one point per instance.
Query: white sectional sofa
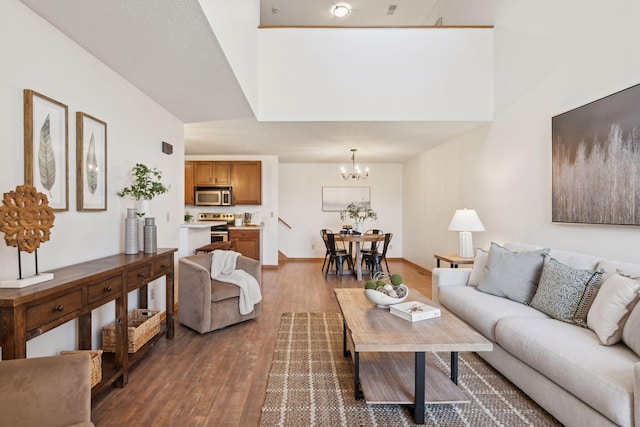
(562, 366)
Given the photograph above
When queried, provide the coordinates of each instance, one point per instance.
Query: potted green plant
(146, 184)
(359, 212)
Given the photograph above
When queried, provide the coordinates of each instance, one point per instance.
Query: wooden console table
(74, 292)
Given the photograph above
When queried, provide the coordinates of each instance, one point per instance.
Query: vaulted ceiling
(167, 49)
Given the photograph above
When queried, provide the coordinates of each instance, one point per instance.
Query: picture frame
(595, 156)
(46, 147)
(91, 163)
(336, 199)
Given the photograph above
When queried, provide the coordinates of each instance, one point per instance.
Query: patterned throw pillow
(590, 292)
(561, 289)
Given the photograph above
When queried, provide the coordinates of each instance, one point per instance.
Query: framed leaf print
(91, 159)
(46, 142)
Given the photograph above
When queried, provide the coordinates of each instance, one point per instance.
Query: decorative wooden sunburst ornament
(26, 218)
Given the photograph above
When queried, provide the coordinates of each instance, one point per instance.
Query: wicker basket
(96, 364)
(144, 324)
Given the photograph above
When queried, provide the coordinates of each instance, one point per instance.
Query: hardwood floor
(220, 378)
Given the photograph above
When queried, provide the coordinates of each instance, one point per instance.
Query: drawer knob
(59, 308)
(164, 266)
(142, 275)
(108, 289)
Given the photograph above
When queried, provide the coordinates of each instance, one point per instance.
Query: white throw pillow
(479, 265)
(611, 307)
(631, 330)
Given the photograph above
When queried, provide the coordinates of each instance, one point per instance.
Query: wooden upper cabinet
(189, 188)
(212, 173)
(246, 179)
(244, 176)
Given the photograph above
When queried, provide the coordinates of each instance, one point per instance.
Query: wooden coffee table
(389, 352)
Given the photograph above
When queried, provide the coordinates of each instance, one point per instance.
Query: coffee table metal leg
(454, 367)
(418, 410)
(356, 375)
(345, 352)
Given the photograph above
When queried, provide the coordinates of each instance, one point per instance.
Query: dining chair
(374, 260)
(323, 234)
(337, 256)
(373, 246)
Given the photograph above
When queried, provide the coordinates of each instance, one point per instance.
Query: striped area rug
(311, 384)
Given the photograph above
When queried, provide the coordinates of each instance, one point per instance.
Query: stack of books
(414, 311)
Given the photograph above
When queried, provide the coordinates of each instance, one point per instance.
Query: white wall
(301, 205)
(235, 25)
(548, 59)
(375, 74)
(268, 209)
(39, 57)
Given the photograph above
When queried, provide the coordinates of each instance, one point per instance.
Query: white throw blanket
(223, 268)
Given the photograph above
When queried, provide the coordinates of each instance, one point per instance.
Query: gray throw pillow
(561, 289)
(513, 275)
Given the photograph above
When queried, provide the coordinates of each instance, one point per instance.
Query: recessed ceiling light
(340, 10)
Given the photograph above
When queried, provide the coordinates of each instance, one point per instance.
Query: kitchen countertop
(246, 227)
(202, 224)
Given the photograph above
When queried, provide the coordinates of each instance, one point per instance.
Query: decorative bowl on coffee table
(383, 300)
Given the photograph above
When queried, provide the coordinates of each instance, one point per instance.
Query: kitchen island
(194, 235)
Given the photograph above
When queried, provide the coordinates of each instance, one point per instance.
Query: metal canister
(150, 236)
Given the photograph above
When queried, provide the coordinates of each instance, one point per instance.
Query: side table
(453, 260)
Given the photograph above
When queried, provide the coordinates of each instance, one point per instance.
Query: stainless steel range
(219, 233)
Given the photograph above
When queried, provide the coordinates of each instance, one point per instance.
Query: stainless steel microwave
(213, 196)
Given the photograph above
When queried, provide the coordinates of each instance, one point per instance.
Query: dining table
(358, 239)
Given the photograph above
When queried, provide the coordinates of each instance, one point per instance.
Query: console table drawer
(108, 288)
(138, 276)
(53, 309)
(161, 267)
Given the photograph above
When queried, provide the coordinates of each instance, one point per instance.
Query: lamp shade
(465, 220)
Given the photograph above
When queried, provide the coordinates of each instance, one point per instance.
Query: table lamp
(465, 221)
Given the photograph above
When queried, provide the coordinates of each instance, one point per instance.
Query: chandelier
(355, 170)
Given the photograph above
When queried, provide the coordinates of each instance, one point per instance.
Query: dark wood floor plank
(220, 378)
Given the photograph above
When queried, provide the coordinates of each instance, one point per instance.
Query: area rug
(311, 384)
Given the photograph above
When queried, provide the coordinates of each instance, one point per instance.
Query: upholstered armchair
(46, 391)
(205, 304)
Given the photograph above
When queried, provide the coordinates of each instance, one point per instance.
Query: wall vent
(392, 9)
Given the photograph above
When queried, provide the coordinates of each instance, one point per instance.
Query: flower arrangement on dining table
(359, 212)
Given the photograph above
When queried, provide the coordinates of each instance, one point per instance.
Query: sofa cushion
(573, 358)
(482, 311)
(611, 307)
(561, 289)
(479, 266)
(514, 275)
(610, 268)
(631, 330)
(576, 260)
